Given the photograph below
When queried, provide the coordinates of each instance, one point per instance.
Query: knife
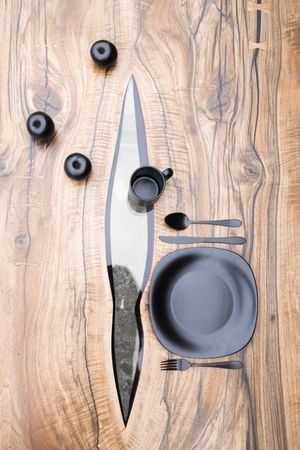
(232, 240)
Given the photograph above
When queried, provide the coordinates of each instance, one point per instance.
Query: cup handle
(167, 173)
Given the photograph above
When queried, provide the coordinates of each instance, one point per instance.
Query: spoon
(180, 221)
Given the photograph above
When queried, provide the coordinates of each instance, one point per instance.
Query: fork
(183, 364)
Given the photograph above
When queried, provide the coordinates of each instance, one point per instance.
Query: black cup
(146, 186)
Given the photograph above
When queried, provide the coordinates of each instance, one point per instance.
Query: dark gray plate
(203, 302)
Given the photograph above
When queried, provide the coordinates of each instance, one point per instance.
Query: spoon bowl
(178, 221)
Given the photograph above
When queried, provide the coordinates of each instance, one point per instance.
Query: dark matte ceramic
(203, 302)
(146, 186)
(40, 126)
(104, 53)
(77, 166)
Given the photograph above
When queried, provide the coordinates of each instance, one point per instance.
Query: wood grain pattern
(219, 85)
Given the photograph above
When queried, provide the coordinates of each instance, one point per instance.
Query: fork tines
(169, 364)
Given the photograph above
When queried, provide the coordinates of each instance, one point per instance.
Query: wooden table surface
(219, 82)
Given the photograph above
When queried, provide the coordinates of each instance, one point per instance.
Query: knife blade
(231, 240)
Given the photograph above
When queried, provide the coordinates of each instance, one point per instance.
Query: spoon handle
(221, 365)
(224, 223)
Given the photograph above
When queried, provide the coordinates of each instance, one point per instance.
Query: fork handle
(221, 365)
